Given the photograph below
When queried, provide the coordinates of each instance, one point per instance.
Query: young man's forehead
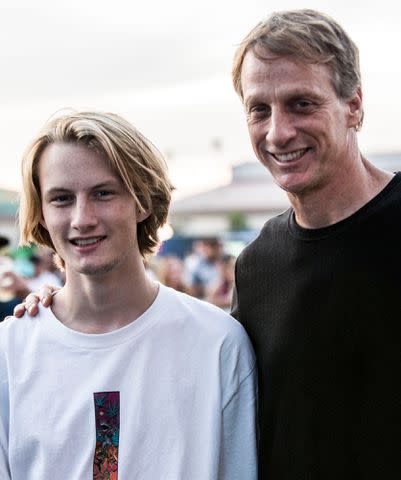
(65, 163)
(72, 149)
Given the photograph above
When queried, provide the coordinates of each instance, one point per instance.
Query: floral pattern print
(107, 414)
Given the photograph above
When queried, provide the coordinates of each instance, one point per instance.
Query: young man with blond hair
(122, 377)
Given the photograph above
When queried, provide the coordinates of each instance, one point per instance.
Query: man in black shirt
(318, 290)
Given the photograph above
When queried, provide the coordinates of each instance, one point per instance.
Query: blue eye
(103, 194)
(259, 111)
(302, 104)
(61, 200)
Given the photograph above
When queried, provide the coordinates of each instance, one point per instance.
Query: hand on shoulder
(31, 303)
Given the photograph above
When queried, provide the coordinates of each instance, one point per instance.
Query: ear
(141, 216)
(355, 110)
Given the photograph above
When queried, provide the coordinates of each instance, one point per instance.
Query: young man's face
(299, 128)
(88, 212)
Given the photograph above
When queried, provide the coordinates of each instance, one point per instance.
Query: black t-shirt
(322, 308)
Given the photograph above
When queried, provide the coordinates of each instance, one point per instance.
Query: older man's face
(299, 129)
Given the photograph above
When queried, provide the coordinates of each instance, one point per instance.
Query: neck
(332, 203)
(103, 303)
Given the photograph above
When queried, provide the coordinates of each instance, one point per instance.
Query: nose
(281, 128)
(83, 216)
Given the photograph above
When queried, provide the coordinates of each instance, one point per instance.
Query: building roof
(252, 190)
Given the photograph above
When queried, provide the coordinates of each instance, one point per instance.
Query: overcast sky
(165, 66)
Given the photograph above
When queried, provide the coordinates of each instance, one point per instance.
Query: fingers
(31, 304)
(46, 300)
(46, 294)
(32, 309)
(19, 310)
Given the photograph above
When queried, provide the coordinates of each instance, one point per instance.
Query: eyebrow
(54, 190)
(288, 96)
(302, 93)
(106, 184)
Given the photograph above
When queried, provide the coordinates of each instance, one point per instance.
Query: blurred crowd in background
(205, 272)
(24, 270)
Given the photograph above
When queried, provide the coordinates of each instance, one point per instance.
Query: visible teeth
(86, 241)
(287, 157)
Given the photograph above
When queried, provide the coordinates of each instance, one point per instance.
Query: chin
(96, 269)
(296, 183)
(291, 186)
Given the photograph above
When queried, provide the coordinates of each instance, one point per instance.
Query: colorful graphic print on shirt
(107, 414)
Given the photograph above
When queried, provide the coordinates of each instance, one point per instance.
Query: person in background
(171, 273)
(204, 272)
(7, 298)
(18, 279)
(192, 258)
(122, 377)
(221, 291)
(13, 287)
(45, 270)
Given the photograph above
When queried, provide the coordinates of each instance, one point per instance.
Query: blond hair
(130, 155)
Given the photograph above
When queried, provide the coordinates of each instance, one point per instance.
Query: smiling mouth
(84, 242)
(291, 156)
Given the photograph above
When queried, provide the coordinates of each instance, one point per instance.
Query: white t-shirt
(170, 396)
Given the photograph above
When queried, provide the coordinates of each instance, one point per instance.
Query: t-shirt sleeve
(238, 453)
(238, 460)
(4, 420)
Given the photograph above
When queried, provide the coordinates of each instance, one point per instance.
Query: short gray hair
(307, 36)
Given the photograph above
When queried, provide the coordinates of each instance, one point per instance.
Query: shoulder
(18, 325)
(219, 331)
(16, 333)
(192, 306)
(255, 256)
(207, 320)
(392, 192)
(12, 325)
(273, 227)
(212, 337)
(13, 337)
